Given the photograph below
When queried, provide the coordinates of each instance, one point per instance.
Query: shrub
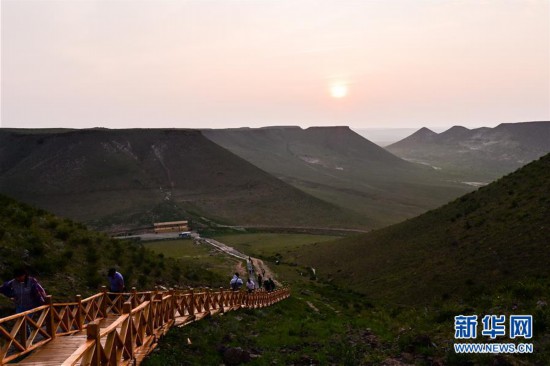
(91, 254)
(93, 280)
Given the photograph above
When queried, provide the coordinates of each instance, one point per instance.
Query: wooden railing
(142, 318)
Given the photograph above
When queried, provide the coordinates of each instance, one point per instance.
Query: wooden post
(222, 300)
(152, 311)
(231, 298)
(50, 325)
(134, 298)
(191, 303)
(255, 299)
(104, 301)
(129, 336)
(93, 334)
(173, 303)
(207, 306)
(79, 318)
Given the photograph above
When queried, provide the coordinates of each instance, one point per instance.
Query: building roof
(170, 223)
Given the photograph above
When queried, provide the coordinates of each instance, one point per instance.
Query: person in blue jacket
(24, 290)
(116, 281)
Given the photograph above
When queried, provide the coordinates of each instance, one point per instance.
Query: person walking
(271, 285)
(260, 280)
(267, 285)
(116, 287)
(250, 285)
(116, 281)
(236, 282)
(25, 291)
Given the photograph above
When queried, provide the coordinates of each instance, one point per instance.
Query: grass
(496, 235)
(286, 333)
(203, 255)
(272, 246)
(391, 296)
(383, 297)
(349, 329)
(321, 323)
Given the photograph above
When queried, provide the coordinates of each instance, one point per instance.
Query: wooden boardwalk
(113, 328)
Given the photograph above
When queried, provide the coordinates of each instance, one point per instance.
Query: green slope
(69, 259)
(494, 236)
(341, 167)
(129, 178)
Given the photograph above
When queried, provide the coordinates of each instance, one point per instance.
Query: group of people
(27, 293)
(236, 283)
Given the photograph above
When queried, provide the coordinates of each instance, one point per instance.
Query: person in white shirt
(250, 285)
(236, 282)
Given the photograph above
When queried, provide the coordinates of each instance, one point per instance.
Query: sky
(237, 63)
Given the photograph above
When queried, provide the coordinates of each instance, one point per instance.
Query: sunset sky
(195, 64)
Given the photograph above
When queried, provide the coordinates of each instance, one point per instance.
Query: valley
(387, 296)
(339, 166)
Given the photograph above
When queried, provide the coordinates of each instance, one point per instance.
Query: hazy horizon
(225, 64)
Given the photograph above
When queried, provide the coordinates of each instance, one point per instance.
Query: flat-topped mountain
(478, 154)
(340, 166)
(136, 177)
(494, 236)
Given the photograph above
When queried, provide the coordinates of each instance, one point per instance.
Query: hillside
(341, 167)
(69, 259)
(481, 154)
(128, 178)
(498, 235)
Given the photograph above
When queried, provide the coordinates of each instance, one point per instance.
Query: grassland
(391, 296)
(382, 298)
(323, 324)
(495, 236)
(272, 246)
(189, 251)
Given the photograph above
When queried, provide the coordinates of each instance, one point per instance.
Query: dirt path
(222, 247)
(258, 264)
(239, 268)
(261, 267)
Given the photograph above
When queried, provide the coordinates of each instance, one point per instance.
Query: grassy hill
(68, 259)
(495, 236)
(481, 154)
(325, 324)
(339, 166)
(127, 178)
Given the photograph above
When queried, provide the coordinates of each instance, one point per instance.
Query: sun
(338, 91)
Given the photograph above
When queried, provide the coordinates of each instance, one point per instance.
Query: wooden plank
(57, 350)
